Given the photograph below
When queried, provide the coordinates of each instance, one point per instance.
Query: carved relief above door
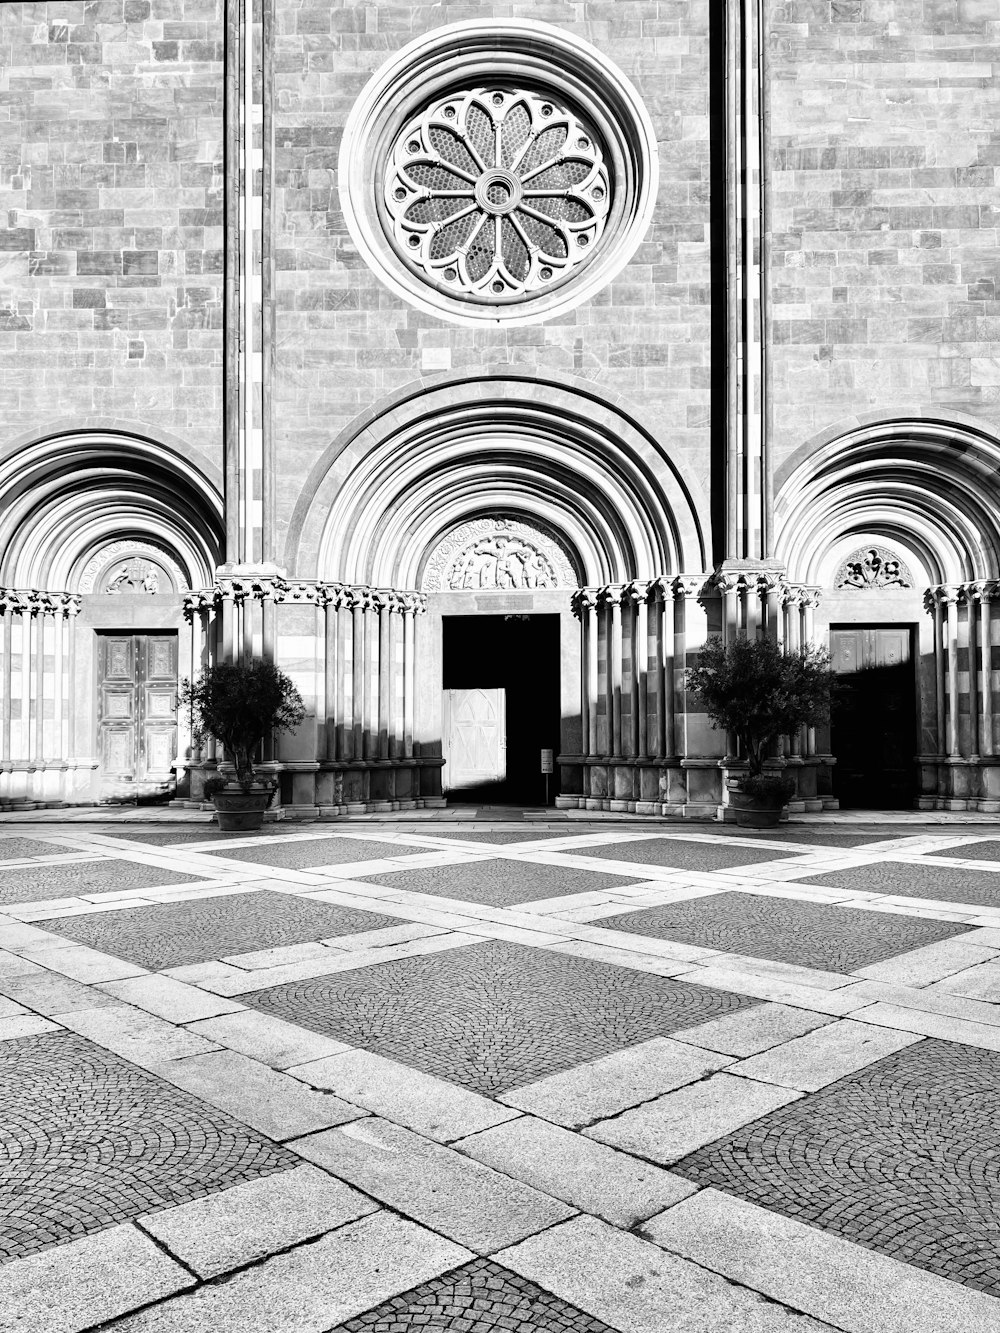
(137, 713)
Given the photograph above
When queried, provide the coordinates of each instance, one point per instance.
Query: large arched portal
(102, 534)
(898, 524)
(499, 553)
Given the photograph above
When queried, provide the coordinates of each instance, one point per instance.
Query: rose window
(494, 193)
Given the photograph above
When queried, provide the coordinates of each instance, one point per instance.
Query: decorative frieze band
(665, 588)
(340, 596)
(962, 594)
(33, 602)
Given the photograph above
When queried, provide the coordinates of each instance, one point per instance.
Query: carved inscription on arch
(498, 555)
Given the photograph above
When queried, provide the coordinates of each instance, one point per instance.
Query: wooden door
(475, 738)
(874, 722)
(137, 712)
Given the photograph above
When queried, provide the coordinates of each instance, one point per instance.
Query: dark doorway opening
(501, 683)
(874, 719)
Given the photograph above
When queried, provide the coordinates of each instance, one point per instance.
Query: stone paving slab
(86, 1282)
(195, 931)
(930, 963)
(51, 994)
(853, 1288)
(670, 1127)
(634, 1286)
(594, 1178)
(907, 879)
(834, 939)
(987, 849)
(168, 998)
(430, 1106)
(69, 880)
(602, 1088)
(893, 1157)
(134, 1034)
(750, 1031)
(272, 1102)
(981, 982)
(24, 1025)
(82, 963)
(677, 854)
(812, 1061)
(501, 837)
(66, 1108)
(434, 1185)
(499, 882)
(249, 1222)
(494, 1015)
(313, 1287)
(269, 1040)
(479, 1297)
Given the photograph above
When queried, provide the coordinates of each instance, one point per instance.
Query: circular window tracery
(497, 192)
(497, 171)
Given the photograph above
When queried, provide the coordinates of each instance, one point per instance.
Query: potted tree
(760, 691)
(239, 704)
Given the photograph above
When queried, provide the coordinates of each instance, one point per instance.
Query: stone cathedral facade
(475, 362)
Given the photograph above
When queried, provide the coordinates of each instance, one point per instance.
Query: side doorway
(874, 722)
(136, 714)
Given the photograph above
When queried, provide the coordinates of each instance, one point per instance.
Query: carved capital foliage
(36, 602)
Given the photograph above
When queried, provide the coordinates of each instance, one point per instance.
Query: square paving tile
(896, 1157)
(88, 1140)
(316, 852)
(479, 1297)
(166, 834)
(905, 879)
(820, 838)
(496, 1015)
(39, 883)
(834, 939)
(675, 854)
(173, 934)
(499, 883)
(13, 849)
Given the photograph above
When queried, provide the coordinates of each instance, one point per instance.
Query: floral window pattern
(496, 194)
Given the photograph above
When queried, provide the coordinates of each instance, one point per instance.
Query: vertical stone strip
(985, 598)
(386, 670)
(950, 598)
(973, 672)
(333, 699)
(409, 609)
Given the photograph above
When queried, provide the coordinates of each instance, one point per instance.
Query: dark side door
(874, 722)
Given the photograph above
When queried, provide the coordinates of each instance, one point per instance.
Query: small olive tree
(760, 691)
(239, 704)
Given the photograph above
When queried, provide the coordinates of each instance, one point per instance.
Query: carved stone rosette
(873, 567)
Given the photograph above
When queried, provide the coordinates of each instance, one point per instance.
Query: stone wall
(111, 218)
(885, 265)
(345, 341)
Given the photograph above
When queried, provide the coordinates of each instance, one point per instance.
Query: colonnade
(964, 770)
(37, 670)
(358, 679)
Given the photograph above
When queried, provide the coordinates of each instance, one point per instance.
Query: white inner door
(475, 738)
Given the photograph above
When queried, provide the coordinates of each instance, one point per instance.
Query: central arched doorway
(492, 504)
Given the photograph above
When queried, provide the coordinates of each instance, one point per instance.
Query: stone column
(934, 604)
(371, 659)
(985, 598)
(950, 600)
(792, 624)
(642, 666)
(409, 609)
(809, 601)
(331, 664)
(615, 668)
(358, 673)
(386, 672)
(969, 599)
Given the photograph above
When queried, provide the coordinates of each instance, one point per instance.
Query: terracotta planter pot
(751, 812)
(239, 810)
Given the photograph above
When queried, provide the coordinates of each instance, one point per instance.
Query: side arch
(393, 483)
(67, 494)
(928, 483)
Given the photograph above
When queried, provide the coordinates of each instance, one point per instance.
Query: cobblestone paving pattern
(499, 883)
(317, 852)
(496, 1015)
(979, 887)
(899, 1158)
(972, 851)
(173, 934)
(503, 836)
(13, 849)
(40, 883)
(178, 833)
(677, 855)
(819, 838)
(834, 939)
(88, 1140)
(479, 1297)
